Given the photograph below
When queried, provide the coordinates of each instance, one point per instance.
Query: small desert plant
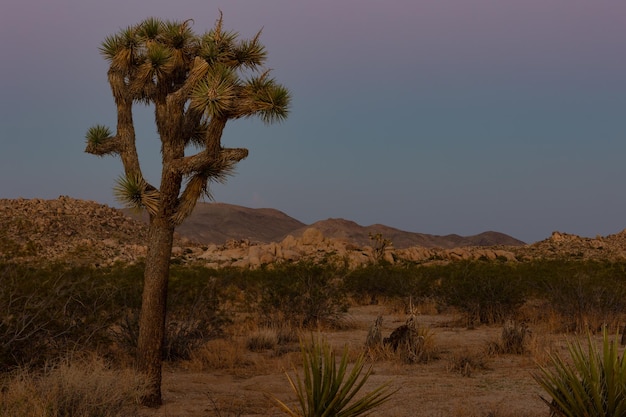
(513, 339)
(374, 338)
(73, 387)
(218, 354)
(593, 384)
(411, 343)
(375, 350)
(262, 339)
(330, 390)
(467, 361)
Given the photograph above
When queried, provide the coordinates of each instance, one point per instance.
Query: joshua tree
(196, 83)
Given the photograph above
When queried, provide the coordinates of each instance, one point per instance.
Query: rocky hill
(360, 235)
(86, 232)
(68, 229)
(217, 223)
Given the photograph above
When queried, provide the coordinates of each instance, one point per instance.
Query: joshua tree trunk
(153, 307)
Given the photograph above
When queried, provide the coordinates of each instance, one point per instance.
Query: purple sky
(440, 116)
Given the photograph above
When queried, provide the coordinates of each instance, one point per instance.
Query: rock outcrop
(86, 232)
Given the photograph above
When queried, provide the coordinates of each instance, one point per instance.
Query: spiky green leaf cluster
(96, 134)
(216, 94)
(155, 57)
(270, 98)
(328, 390)
(134, 193)
(592, 385)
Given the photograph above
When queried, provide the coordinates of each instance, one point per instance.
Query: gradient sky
(432, 116)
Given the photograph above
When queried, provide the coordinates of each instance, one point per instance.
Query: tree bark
(153, 306)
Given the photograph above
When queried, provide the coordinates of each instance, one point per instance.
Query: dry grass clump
(467, 361)
(513, 340)
(73, 387)
(263, 339)
(541, 347)
(218, 354)
(279, 339)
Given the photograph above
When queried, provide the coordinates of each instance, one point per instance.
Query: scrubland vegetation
(58, 319)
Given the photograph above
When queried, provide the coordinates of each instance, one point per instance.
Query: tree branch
(198, 71)
(205, 160)
(108, 146)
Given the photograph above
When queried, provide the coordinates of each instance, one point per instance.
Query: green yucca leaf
(209, 51)
(96, 134)
(177, 35)
(133, 192)
(593, 384)
(250, 53)
(270, 100)
(217, 46)
(121, 49)
(216, 94)
(218, 172)
(111, 46)
(159, 58)
(277, 100)
(328, 390)
(149, 29)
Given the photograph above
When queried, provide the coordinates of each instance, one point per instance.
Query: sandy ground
(504, 388)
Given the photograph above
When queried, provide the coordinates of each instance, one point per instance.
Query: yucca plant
(593, 384)
(328, 389)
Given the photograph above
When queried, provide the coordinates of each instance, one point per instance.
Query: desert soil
(504, 388)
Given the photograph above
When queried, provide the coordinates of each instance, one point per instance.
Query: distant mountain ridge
(219, 222)
(89, 233)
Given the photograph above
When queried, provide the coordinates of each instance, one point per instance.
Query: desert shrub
(411, 343)
(327, 388)
(586, 295)
(72, 387)
(373, 283)
(485, 292)
(194, 315)
(302, 295)
(47, 311)
(591, 383)
(513, 339)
